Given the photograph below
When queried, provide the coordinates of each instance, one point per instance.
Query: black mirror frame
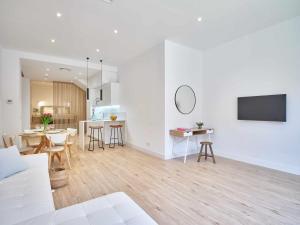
(185, 113)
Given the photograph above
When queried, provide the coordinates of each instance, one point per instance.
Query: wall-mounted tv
(262, 108)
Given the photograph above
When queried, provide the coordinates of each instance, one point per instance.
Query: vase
(45, 127)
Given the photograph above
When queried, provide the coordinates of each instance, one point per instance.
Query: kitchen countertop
(104, 120)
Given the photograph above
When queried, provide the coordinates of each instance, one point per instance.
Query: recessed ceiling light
(80, 73)
(75, 78)
(199, 19)
(58, 14)
(115, 31)
(52, 40)
(46, 74)
(97, 50)
(47, 69)
(108, 1)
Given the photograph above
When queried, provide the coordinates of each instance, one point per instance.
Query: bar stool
(114, 137)
(205, 144)
(93, 139)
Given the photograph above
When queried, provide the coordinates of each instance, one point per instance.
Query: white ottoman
(113, 209)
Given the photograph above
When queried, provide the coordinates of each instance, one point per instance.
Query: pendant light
(87, 79)
(101, 74)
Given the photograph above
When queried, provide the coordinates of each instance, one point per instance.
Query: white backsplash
(104, 112)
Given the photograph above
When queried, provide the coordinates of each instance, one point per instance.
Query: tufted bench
(113, 209)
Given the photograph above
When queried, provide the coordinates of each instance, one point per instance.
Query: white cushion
(26, 194)
(11, 162)
(113, 209)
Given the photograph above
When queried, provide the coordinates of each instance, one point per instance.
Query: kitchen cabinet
(110, 93)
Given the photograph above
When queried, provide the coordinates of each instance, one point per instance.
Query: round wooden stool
(204, 145)
(93, 139)
(114, 135)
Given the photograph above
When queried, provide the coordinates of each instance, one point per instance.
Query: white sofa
(26, 198)
(26, 194)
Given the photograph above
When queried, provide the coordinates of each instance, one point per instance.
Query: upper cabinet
(110, 94)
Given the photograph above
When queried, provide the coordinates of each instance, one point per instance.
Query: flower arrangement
(199, 124)
(46, 118)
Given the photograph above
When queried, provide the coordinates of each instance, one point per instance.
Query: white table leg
(197, 143)
(173, 140)
(83, 137)
(82, 134)
(186, 148)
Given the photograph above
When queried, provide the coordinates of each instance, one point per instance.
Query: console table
(187, 134)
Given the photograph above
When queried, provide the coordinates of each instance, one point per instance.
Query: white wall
(262, 63)
(25, 103)
(142, 98)
(183, 65)
(1, 99)
(10, 88)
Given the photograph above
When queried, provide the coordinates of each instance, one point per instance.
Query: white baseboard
(260, 162)
(156, 154)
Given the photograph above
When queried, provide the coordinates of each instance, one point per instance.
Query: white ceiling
(37, 70)
(89, 24)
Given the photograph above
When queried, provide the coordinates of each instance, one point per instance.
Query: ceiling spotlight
(75, 78)
(58, 14)
(199, 19)
(46, 75)
(97, 50)
(52, 40)
(79, 73)
(47, 69)
(108, 1)
(115, 31)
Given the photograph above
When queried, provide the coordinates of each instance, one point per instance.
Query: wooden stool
(113, 129)
(93, 139)
(205, 144)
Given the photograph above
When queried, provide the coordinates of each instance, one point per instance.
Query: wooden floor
(229, 192)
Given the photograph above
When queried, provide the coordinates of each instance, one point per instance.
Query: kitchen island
(84, 130)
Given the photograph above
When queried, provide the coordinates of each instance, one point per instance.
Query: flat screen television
(262, 108)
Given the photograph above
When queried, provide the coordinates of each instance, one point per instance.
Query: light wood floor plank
(229, 192)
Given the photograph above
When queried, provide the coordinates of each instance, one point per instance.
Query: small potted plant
(113, 117)
(46, 118)
(199, 125)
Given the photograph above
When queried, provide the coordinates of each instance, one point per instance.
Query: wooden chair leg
(68, 159)
(212, 153)
(49, 160)
(205, 151)
(200, 154)
(69, 148)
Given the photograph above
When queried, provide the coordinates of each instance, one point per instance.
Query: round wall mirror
(185, 99)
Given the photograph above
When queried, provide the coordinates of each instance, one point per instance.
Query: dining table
(39, 133)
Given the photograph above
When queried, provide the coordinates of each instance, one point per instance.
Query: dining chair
(31, 142)
(58, 145)
(72, 132)
(9, 140)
